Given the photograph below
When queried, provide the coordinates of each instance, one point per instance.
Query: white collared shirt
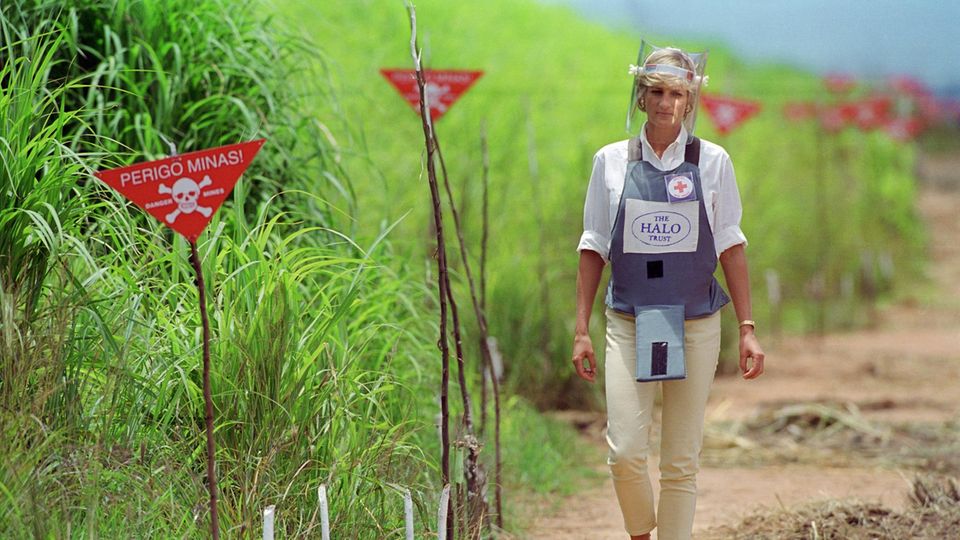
(717, 179)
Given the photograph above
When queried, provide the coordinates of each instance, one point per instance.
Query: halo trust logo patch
(661, 227)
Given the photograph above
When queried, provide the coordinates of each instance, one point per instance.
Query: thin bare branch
(207, 397)
(481, 322)
(442, 277)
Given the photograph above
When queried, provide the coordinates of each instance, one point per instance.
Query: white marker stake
(442, 514)
(774, 294)
(324, 515)
(408, 512)
(268, 522)
(496, 358)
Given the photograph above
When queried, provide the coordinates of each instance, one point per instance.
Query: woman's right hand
(583, 358)
(588, 278)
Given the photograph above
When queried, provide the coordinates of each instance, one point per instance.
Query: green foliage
(318, 371)
(181, 72)
(559, 464)
(38, 216)
(309, 342)
(536, 466)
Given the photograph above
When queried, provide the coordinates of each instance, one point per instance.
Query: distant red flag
(908, 85)
(799, 110)
(839, 83)
(872, 112)
(728, 113)
(904, 129)
(833, 118)
(443, 88)
(184, 191)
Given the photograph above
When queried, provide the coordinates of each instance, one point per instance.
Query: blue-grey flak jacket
(662, 259)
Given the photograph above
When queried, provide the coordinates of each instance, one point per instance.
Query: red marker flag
(909, 86)
(443, 88)
(872, 113)
(184, 191)
(833, 118)
(839, 83)
(797, 111)
(728, 113)
(903, 129)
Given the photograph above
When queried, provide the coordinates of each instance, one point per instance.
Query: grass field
(321, 299)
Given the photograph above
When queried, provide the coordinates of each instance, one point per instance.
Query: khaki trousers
(630, 414)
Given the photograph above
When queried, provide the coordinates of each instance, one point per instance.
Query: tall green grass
(39, 217)
(319, 345)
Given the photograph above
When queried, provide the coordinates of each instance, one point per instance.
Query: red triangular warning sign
(184, 191)
(834, 118)
(443, 88)
(904, 129)
(872, 112)
(839, 83)
(728, 113)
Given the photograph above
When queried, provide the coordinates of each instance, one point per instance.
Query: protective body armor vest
(662, 249)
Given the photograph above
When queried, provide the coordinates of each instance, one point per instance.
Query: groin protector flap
(659, 337)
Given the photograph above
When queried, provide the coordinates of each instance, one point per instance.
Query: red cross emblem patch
(680, 188)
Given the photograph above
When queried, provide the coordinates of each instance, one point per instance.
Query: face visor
(656, 65)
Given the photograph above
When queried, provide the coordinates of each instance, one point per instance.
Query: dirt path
(874, 369)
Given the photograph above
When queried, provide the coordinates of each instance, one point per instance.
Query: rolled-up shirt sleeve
(727, 210)
(596, 212)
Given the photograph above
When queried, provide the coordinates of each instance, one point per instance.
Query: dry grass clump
(832, 433)
(934, 513)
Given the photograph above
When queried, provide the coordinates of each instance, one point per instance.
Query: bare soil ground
(833, 417)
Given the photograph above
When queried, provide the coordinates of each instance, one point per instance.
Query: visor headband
(666, 69)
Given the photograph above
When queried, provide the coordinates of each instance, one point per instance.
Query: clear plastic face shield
(666, 66)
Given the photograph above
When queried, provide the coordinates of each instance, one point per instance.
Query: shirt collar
(672, 156)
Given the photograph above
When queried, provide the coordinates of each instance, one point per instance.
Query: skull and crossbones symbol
(185, 193)
(435, 93)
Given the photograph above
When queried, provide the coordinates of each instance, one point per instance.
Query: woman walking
(662, 208)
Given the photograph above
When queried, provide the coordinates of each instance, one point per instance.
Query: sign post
(183, 192)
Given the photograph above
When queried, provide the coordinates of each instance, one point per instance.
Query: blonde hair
(667, 57)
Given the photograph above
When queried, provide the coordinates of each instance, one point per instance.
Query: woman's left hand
(750, 350)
